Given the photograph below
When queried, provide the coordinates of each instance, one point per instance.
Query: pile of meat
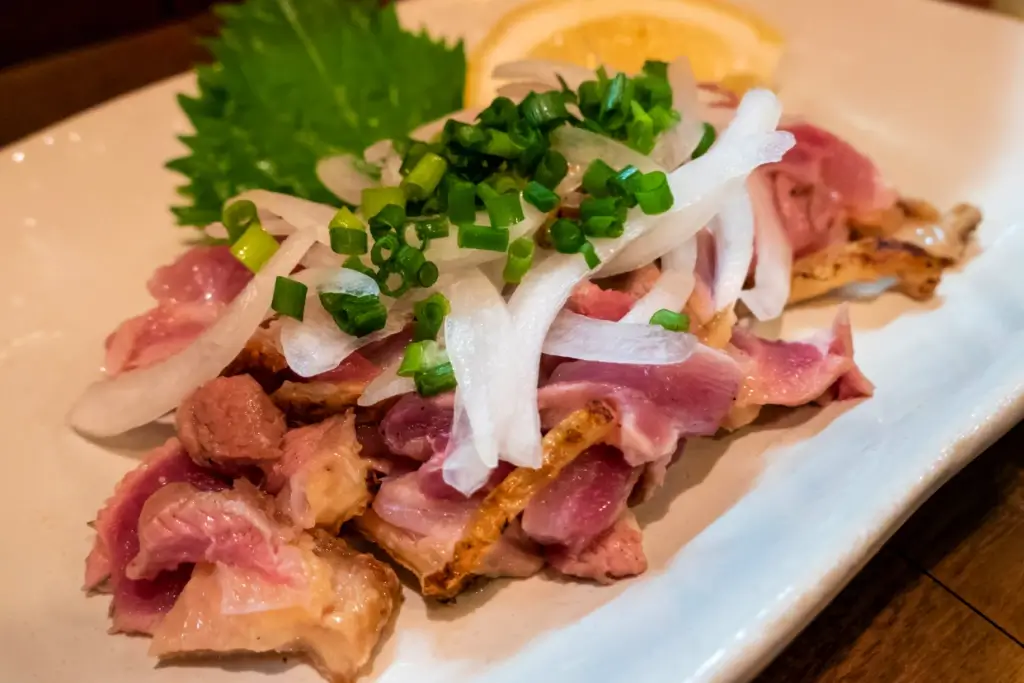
(230, 537)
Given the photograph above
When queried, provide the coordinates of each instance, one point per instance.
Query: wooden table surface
(942, 601)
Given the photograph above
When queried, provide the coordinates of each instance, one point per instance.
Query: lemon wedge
(724, 43)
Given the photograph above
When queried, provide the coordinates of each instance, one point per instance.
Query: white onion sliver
(580, 147)
(733, 231)
(675, 146)
(386, 385)
(476, 332)
(577, 336)
(672, 289)
(132, 399)
(772, 274)
(300, 213)
(449, 256)
(316, 344)
(544, 71)
(697, 187)
(340, 175)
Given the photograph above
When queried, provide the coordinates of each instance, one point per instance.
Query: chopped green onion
(551, 169)
(706, 141)
(462, 202)
(421, 356)
(640, 131)
(424, 178)
(504, 183)
(436, 380)
(566, 236)
(501, 114)
(540, 196)
(390, 218)
(346, 219)
(653, 193)
(592, 207)
(499, 144)
(671, 321)
(544, 109)
(349, 241)
(654, 67)
(409, 260)
(485, 192)
(355, 315)
(596, 178)
(463, 134)
(429, 314)
(384, 249)
(237, 217)
(289, 297)
(590, 255)
(504, 210)
(392, 281)
(663, 118)
(614, 97)
(483, 237)
(255, 247)
(590, 99)
(624, 183)
(654, 92)
(432, 228)
(376, 198)
(412, 156)
(355, 263)
(427, 275)
(520, 258)
(603, 226)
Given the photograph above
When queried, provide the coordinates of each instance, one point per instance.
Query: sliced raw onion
(387, 385)
(701, 188)
(673, 287)
(543, 71)
(772, 274)
(477, 333)
(317, 344)
(580, 147)
(698, 188)
(449, 256)
(137, 397)
(675, 146)
(300, 213)
(577, 336)
(733, 231)
(340, 175)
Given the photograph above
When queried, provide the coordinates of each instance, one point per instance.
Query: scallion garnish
(354, 314)
(640, 131)
(671, 321)
(706, 141)
(376, 198)
(255, 247)
(551, 169)
(391, 218)
(424, 178)
(384, 248)
(590, 255)
(591, 207)
(420, 356)
(596, 178)
(409, 260)
(540, 196)
(501, 114)
(392, 281)
(520, 258)
(436, 380)
(429, 315)
(432, 228)
(483, 237)
(289, 297)
(237, 217)
(461, 202)
(504, 210)
(544, 109)
(349, 241)
(355, 263)
(653, 193)
(603, 226)
(566, 236)
(427, 275)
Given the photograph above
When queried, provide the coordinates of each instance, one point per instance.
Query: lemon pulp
(625, 42)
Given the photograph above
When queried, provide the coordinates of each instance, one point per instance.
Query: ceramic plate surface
(752, 535)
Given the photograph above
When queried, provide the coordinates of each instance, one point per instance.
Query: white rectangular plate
(752, 534)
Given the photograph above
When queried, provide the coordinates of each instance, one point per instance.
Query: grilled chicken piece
(350, 599)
